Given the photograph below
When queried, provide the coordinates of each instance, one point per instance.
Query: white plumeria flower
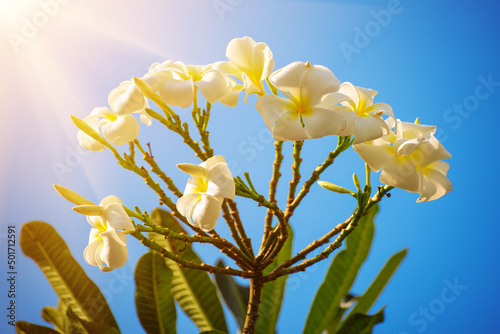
(363, 116)
(250, 62)
(127, 99)
(118, 130)
(210, 182)
(107, 246)
(176, 82)
(301, 115)
(409, 159)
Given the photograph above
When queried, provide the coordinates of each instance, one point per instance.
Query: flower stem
(342, 145)
(256, 288)
(273, 184)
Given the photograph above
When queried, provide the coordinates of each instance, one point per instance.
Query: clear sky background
(434, 60)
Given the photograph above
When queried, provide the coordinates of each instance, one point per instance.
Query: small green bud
(356, 182)
(336, 188)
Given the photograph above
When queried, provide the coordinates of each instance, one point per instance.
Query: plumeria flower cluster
(303, 101)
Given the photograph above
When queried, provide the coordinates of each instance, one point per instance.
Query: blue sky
(434, 60)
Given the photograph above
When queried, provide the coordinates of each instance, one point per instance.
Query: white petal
(349, 90)
(126, 99)
(401, 173)
(94, 235)
(251, 87)
(178, 92)
(232, 97)
(376, 156)
(435, 184)
(89, 254)
(240, 52)
(207, 212)
(263, 60)
(369, 128)
(323, 122)
(110, 199)
(184, 202)
(273, 107)
(145, 117)
(213, 85)
(317, 81)
(97, 222)
(412, 130)
(155, 78)
(101, 112)
(114, 250)
(288, 79)
(383, 108)
(123, 130)
(331, 100)
(429, 151)
(212, 161)
(195, 185)
(350, 119)
(220, 181)
(289, 127)
(116, 217)
(229, 68)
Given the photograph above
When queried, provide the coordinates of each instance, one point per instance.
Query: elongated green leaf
(272, 296)
(192, 289)
(23, 327)
(213, 331)
(55, 317)
(42, 243)
(89, 327)
(154, 304)
(340, 276)
(366, 301)
(361, 323)
(235, 295)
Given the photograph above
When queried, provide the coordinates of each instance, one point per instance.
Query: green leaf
(213, 331)
(272, 296)
(23, 327)
(235, 295)
(41, 242)
(361, 323)
(89, 327)
(192, 289)
(154, 304)
(325, 309)
(54, 316)
(366, 301)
